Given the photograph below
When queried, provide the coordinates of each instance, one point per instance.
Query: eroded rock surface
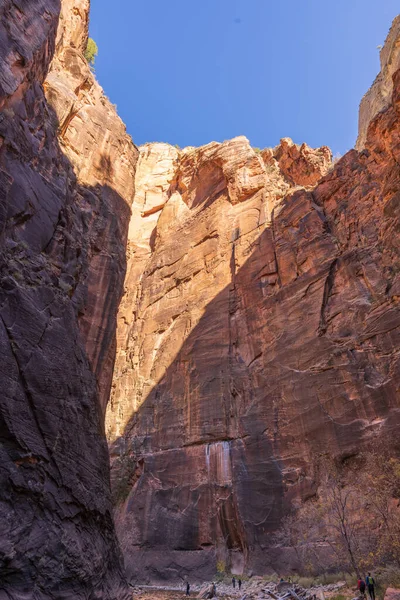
(212, 248)
(66, 170)
(379, 96)
(260, 331)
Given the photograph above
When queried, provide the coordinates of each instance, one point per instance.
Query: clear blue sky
(191, 71)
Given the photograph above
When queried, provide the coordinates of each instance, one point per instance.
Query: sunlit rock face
(217, 235)
(94, 140)
(67, 173)
(378, 97)
(260, 330)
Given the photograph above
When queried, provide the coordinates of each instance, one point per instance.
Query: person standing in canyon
(370, 581)
(361, 587)
(240, 584)
(187, 588)
(233, 582)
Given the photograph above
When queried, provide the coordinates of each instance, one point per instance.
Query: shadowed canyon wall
(259, 331)
(66, 170)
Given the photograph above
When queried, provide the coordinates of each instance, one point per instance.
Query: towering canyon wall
(66, 170)
(259, 327)
(260, 330)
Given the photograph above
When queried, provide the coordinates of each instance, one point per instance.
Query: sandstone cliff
(259, 330)
(379, 96)
(66, 170)
(259, 326)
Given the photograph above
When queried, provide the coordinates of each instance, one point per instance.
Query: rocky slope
(260, 330)
(66, 170)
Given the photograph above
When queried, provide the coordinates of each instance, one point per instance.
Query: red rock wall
(261, 332)
(259, 329)
(63, 227)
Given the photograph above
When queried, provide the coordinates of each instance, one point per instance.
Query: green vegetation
(257, 150)
(220, 566)
(221, 571)
(124, 468)
(91, 52)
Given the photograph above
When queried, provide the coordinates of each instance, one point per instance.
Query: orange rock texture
(66, 171)
(379, 96)
(260, 329)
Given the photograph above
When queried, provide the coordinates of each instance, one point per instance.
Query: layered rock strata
(259, 331)
(66, 170)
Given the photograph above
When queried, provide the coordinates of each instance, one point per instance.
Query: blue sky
(191, 71)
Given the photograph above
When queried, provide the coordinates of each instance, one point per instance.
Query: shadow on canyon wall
(285, 366)
(62, 266)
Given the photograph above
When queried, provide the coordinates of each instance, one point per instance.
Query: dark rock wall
(57, 233)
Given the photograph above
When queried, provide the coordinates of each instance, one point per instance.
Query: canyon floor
(251, 589)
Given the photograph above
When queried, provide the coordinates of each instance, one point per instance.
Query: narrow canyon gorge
(67, 182)
(210, 322)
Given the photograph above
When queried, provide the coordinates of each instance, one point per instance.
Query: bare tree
(338, 517)
(380, 486)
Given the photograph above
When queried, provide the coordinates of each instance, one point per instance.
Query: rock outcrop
(66, 169)
(379, 96)
(392, 594)
(259, 331)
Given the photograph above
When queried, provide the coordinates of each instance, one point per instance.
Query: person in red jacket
(361, 587)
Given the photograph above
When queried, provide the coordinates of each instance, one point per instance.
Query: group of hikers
(363, 585)
(239, 582)
(369, 585)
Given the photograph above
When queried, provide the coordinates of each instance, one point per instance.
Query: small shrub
(91, 51)
(220, 570)
(257, 150)
(124, 468)
(221, 566)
